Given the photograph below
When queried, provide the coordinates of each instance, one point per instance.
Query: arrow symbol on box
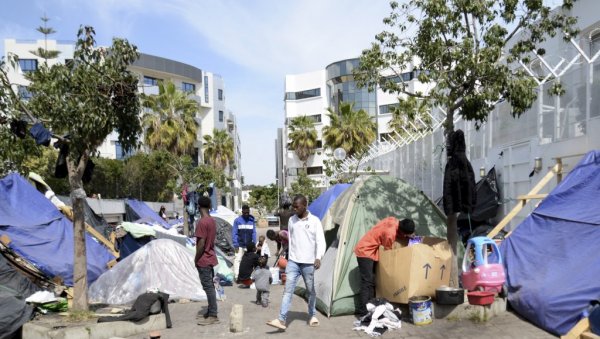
(442, 269)
(426, 267)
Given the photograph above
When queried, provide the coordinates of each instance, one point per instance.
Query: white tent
(161, 264)
(224, 213)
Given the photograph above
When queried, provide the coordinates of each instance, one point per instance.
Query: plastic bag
(219, 289)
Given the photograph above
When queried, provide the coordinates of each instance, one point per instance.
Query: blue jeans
(293, 271)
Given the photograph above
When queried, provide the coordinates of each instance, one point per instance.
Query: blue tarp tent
(138, 211)
(320, 205)
(551, 258)
(41, 234)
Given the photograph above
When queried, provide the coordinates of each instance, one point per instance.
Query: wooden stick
(522, 203)
(582, 326)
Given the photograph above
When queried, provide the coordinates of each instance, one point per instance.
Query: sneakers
(201, 315)
(208, 321)
(313, 322)
(277, 324)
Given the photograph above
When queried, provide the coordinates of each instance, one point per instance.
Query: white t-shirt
(307, 240)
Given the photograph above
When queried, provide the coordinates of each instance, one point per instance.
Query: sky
(252, 44)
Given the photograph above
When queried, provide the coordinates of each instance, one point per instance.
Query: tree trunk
(451, 221)
(80, 300)
(186, 222)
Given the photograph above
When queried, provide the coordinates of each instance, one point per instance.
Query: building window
(120, 153)
(311, 93)
(314, 170)
(220, 116)
(316, 118)
(150, 81)
(28, 65)
(24, 92)
(187, 87)
(206, 88)
(319, 144)
(385, 109)
(220, 94)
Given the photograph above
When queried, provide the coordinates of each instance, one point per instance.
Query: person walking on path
(244, 232)
(206, 259)
(306, 248)
(385, 233)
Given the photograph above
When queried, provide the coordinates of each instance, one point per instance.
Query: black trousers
(366, 267)
(206, 278)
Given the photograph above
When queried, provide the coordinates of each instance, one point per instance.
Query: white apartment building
(206, 88)
(311, 94)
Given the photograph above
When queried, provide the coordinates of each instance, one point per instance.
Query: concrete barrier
(96, 331)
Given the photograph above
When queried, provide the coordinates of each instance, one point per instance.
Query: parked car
(272, 220)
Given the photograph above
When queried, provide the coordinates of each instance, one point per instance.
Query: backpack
(191, 209)
(192, 202)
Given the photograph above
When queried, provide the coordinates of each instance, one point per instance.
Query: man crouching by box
(385, 233)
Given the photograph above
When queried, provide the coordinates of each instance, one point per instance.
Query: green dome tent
(360, 207)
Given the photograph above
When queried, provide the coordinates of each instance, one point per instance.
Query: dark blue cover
(320, 205)
(41, 234)
(551, 258)
(145, 213)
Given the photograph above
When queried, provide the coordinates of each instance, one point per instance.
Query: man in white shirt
(306, 248)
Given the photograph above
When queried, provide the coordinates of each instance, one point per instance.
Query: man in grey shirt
(262, 281)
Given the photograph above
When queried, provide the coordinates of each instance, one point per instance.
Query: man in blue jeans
(306, 248)
(206, 259)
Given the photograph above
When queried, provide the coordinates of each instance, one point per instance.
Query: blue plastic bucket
(420, 308)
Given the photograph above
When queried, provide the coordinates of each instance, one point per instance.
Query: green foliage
(459, 49)
(218, 149)
(351, 130)
(91, 97)
(44, 163)
(146, 176)
(305, 186)
(170, 123)
(409, 110)
(264, 198)
(303, 138)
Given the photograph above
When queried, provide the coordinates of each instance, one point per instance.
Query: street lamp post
(277, 184)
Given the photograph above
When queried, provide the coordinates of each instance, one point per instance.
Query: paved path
(507, 325)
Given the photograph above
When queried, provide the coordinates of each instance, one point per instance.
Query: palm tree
(303, 136)
(218, 149)
(351, 130)
(407, 110)
(170, 123)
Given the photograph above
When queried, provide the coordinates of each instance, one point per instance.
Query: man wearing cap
(385, 233)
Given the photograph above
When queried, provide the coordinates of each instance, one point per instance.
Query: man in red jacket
(385, 233)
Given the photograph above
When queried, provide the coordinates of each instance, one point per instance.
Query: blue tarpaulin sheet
(320, 205)
(143, 213)
(551, 258)
(41, 234)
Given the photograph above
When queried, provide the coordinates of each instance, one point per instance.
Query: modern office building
(206, 88)
(311, 94)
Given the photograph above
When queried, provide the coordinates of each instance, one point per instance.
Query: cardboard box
(416, 270)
